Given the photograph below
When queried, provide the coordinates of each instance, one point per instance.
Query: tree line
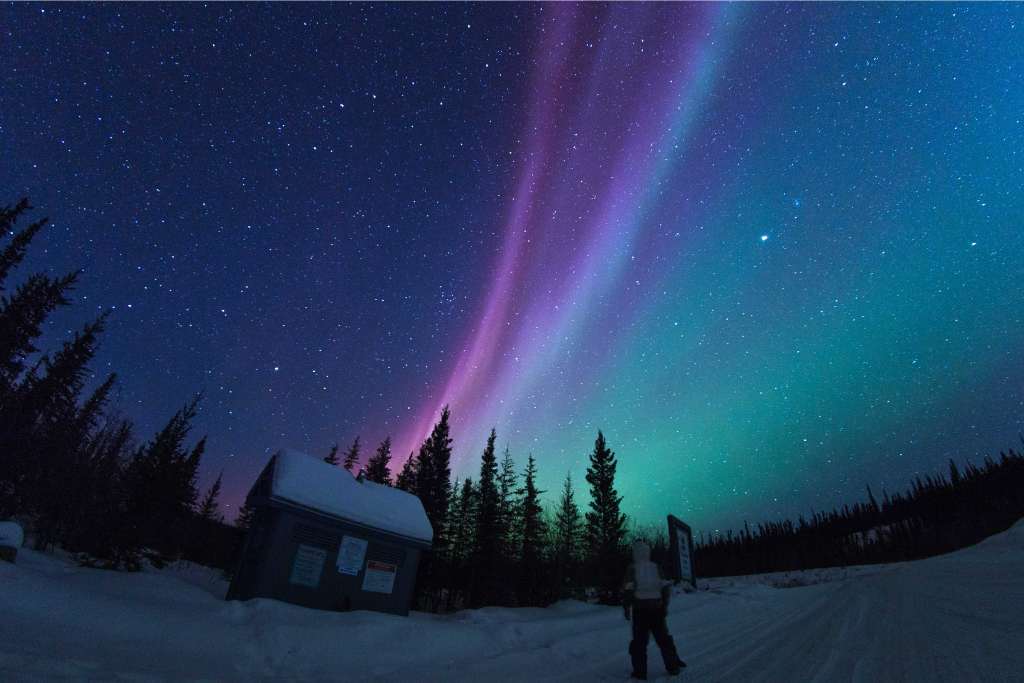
(494, 541)
(937, 514)
(70, 468)
(496, 544)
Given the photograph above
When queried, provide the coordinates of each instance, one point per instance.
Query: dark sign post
(681, 544)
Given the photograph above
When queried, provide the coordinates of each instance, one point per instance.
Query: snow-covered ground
(959, 618)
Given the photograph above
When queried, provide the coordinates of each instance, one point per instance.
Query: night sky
(775, 252)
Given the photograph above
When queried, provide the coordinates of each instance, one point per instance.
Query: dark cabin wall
(269, 563)
(251, 579)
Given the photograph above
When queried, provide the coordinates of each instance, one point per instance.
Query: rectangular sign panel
(351, 555)
(685, 567)
(379, 577)
(308, 566)
(681, 542)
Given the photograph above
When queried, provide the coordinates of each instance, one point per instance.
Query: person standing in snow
(645, 599)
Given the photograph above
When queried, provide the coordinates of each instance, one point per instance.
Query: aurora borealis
(773, 251)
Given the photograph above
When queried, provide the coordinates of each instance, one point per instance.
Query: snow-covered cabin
(323, 538)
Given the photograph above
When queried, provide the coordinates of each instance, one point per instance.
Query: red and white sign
(379, 577)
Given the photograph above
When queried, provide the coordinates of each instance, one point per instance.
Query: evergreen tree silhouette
(162, 481)
(377, 469)
(454, 502)
(23, 312)
(433, 487)
(246, 516)
(62, 462)
(462, 520)
(605, 523)
(508, 484)
(208, 509)
(352, 455)
(332, 457)
(13, 254)
(100, 529)
(37, 427)
(406, 479)
(190, 476)
(532, 536)
(487, 544)
(202, 546)
(433, 477)
(567, 535)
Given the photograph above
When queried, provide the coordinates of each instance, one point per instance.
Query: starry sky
(774, 251)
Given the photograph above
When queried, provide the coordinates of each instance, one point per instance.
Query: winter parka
(644, 585)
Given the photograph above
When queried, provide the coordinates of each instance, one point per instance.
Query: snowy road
(954, 618)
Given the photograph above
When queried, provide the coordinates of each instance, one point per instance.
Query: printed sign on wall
(308, 566)
(379, 577)
(351, 555)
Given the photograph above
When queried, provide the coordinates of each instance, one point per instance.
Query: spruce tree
(457, 558)
(101, 532)
(421, 466)
(467, 510)
(406, 479)
(433, 476)
(37, 429)
(15, 251)
(433, 487)
(454, 500)
(208, 508)
(92, 410)
(352, 455)
(190, 476)
(532, 536)
(201, 545)
(332, 457)
(462, 536)
(377, 469)
(162, 480)
(21, 319)
(568, 529)
(489, 513)
(606, 525)
(60, 465)
(508, 484)
(487, 545)
(23, 313)
(246, 516)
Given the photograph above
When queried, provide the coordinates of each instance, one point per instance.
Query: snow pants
(649, 618)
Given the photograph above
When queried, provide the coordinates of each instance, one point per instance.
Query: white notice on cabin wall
(307, 566)
(351, 555)
(379, 577)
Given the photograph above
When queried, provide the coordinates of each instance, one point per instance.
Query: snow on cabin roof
(11, 535)
(313, 483)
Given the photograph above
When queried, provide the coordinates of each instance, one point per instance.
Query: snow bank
(11, 535)
(952, 618)
(311, 482)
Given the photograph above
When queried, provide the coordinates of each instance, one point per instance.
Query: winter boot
(669, 655)
(639, 660)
